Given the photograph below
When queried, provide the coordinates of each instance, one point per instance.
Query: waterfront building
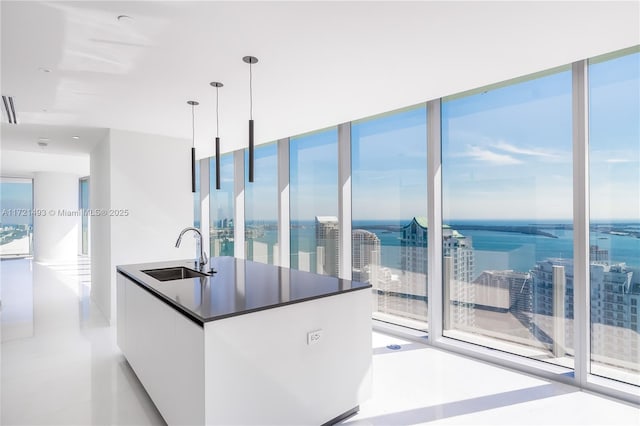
(365, 255)
(458, 268)
(458, 271)
(598, 255)
(327, 245)
(503, 291)
(615, 296)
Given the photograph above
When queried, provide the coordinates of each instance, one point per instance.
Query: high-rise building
(409, 292)
(615, 296)
(503, 291)
(327, 245)
(598, 255)
(414, 248)
(365, 255)
(503, 305)
(552, 304)
(458, 267)
(457, 273)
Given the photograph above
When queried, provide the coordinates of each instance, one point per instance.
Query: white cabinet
(121, 319)
(260, 368)
(166, 351)
(257, 368)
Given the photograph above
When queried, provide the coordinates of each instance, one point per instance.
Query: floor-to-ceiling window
(16, 224)
(389, 209)
(84, 209)
(507, 217)
(614, 244)
(314, 202)
(222, 207)
(261, 206)
(508, 177)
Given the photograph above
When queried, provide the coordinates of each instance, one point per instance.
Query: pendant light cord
(193, 127)
(250, 91)
(217, 114)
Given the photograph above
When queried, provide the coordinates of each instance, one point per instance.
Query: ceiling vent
(9, 109)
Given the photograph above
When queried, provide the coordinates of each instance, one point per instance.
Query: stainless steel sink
(170, 274)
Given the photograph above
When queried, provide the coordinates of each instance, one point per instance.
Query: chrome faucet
(201, 259)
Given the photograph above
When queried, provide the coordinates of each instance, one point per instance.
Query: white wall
(55, 235)
(100, 230)
(148, 179)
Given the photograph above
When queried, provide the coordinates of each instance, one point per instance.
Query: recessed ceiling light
(125, 18)
(75, 137)
(44, 69)
(42, 142)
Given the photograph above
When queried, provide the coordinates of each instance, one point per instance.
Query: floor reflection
(60, 362)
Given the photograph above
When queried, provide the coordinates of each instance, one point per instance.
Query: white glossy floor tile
(420, 385)
(60, 365)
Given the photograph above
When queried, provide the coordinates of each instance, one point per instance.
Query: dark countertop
(238, 287)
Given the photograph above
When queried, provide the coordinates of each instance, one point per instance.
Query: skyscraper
(457, 273)
(458, 269)
(615, 296)
(598, 255)
(365, 256)
(327, 245)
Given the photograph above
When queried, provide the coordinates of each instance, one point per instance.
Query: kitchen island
(248, 344)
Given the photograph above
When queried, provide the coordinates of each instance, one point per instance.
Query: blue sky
(615, 138)
(388, 162)
(506, 154)
(261, 196)
(314, 175)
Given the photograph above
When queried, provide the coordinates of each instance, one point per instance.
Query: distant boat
(603, 238)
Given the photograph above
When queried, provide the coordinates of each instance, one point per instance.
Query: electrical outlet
(314, 337)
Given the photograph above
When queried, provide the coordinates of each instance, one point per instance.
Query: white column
(284, 230)
(559, 284)
(434, 236)
(581, 284)
(344, 199)
(56, 230)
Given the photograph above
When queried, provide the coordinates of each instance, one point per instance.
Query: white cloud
(504, 146)
(490, 156)
(618, 160)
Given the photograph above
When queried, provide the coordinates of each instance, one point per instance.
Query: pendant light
(250, 60)
(217, 85)
(193, 144)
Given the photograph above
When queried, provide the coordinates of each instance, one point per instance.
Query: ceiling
(320, 63)
(59, 139)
